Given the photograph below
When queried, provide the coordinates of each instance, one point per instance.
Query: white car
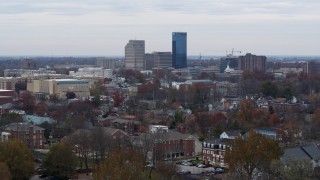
(201, 166)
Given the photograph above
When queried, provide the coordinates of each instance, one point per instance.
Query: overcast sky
(103, 27)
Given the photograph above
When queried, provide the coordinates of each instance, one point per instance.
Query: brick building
(252, 62)
(6, 96)
(214, 151)
(31, 135)
(169, 145)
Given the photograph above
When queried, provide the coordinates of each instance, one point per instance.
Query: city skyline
(102, 28)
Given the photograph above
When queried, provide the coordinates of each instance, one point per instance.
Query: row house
(31, 135)
(214, 151)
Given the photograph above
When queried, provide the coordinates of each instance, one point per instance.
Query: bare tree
(81, 140)
(102, 143)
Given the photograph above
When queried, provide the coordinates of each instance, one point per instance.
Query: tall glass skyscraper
(179, 50)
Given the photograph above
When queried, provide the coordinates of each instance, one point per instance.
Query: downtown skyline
(102, 28)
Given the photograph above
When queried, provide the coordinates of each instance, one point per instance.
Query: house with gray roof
(309, 152)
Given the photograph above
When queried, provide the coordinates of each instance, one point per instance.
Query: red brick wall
(7, 93)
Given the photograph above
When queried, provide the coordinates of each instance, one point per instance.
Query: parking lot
(194, 169)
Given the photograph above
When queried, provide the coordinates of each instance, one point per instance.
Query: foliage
(8, 118)
(98, 88)
(254, 153)
(81, 140)
(28, 101)
(18, 158)
(60, 161)
(5, 172)
(41, 108)
(166, 170)
(269, 89)
(118, 98)
(251, 117)
(121, 163)
(292, 169)
(54, 98)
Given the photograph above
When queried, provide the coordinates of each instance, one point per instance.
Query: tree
(117, 98)
(292, 169)
(166, 170)
(41, 109)
(28, 102)
(54, 98)
(269, 89)
(5, 171)
(121, 163)
(252, 154)
(98, 88)
(101, 143)
(18, 158)
(81, 140)
(60, 160)
(8, 118)
(251, 117)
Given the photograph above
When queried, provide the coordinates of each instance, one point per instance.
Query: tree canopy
(254, 153)
(60, 161)
(18, 158)
(121, 164)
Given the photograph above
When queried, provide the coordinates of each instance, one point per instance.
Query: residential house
(230, 134)
(214, 150)
(273, 133)
(309, 152)
(127, 123)
(31, 135)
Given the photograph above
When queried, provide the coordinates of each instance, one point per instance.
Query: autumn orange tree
(254, 153)
(250, 116)
(121, 163)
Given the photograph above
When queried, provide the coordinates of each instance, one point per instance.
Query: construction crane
(232, 51)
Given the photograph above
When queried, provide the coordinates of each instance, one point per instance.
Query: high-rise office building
(179, 50)
(134, 55)
(162, 59)
(252, 62)
(149, 61)
(158, 60)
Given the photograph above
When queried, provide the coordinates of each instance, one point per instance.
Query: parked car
(219, 170)
(187, 163)
(201, 166)
(183, 172)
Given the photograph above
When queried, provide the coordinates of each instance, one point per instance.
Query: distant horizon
(122, 56)
(103, 27)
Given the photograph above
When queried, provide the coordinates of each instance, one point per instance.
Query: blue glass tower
(179, 50)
